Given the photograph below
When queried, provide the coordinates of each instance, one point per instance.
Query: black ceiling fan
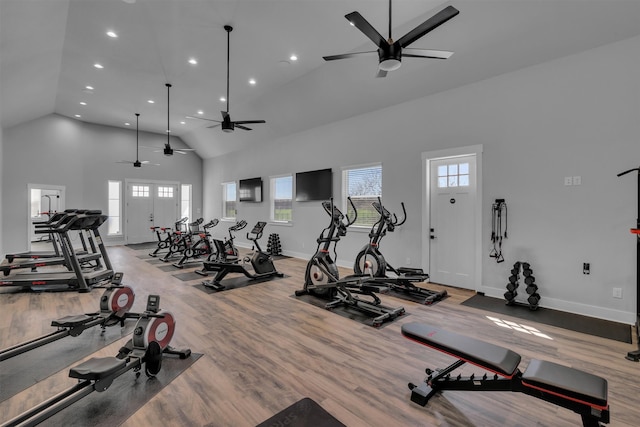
(227, 124)
(138, 163)
(167, 150)
(390, 52)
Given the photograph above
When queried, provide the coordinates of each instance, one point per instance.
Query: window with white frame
(282, 198)
(114, 223)
(185, 201)
(364, 185)
(453, 175)
(140, 191)
(229, 199)
(165, 192)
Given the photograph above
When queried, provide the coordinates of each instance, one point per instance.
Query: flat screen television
(250, 190)
(314, 185)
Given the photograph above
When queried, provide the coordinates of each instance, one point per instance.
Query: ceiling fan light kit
(389, 51)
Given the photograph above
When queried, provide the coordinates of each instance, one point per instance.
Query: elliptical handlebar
(630, 170)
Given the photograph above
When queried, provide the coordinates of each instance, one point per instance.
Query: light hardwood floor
(264, 350)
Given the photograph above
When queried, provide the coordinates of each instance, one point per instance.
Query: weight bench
(579, 391)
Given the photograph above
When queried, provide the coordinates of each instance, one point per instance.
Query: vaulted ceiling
(48, 49)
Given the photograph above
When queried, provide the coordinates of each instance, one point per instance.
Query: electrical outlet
(617, 292)
(568, 180)
(577, 180)
(586, 268)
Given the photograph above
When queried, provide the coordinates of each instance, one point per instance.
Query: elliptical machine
(322, 277)
(261, 263)
(371, 261)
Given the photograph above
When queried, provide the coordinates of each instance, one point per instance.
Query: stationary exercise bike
(322, 277)
(182, 239)
(150, 341)
(165, 236)
(261, 262)
(371, 261)
(199, 248)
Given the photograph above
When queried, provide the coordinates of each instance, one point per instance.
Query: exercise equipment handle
(355, 212)
(630, 170)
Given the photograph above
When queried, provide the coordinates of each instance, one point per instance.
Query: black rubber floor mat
(303, 413)
(125, 396)
(235, 283)
(573, 322)
(188, 276)
(349, 312)
(25, 370)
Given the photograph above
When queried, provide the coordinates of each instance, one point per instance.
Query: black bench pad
(569, 382)
(488, 356)
(97, 368)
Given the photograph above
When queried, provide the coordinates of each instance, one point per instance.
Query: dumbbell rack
(514, 283)
(273, 247)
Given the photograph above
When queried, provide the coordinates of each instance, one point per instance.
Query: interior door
(150, 205)
(452, 204)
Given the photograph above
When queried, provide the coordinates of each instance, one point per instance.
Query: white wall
(576, 116)
(82, 157)
(1, 180)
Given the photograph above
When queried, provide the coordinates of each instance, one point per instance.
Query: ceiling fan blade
(426, 53)
(202, 118)
(213, 126)
(429, 25)
(347, 55)
(381, 73)
(125, 161)
(236, 125)
(243, 122)
(363, 25)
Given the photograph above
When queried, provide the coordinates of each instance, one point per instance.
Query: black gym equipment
(151, 337)
(322, 277)
(371, 261)
(497, 232)
(226, 251)
(166, 237)
(261, 262)
(182, 239)
(514, 282)
(196, 250)
(78, 278)
(115, 303)
(570, 388)
(635, 355)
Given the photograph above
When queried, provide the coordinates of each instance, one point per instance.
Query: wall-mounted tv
(250, 190)
(314, 185)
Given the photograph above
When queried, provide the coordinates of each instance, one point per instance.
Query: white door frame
(60, 188)
(426, 197)
(127, 196)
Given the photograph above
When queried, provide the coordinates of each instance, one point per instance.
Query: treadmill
(77, 279)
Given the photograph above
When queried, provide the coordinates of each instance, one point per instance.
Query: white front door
(149, 205)
(452, 228)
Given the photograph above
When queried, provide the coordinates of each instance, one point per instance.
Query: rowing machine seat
(97, 368)
(71, 321)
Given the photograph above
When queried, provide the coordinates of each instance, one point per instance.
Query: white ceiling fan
(138, 163)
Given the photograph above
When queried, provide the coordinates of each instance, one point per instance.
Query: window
(165, 192)
(140, 190)
(364, 186)
(456, 175)
(228, 199)
(282, 198)
(114, 222)
(185, 201)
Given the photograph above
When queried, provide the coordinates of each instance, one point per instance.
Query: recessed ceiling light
(151, 101)
(83, 103)
(183, 122)
(293, 58)
(112, 34)
(252, 82)
(193, 61)
(223, 99)
(200, 112)
(99, 66)
(127, 124)
(78, 115)
(89, 87)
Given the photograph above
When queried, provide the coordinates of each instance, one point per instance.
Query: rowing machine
(151, 337)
